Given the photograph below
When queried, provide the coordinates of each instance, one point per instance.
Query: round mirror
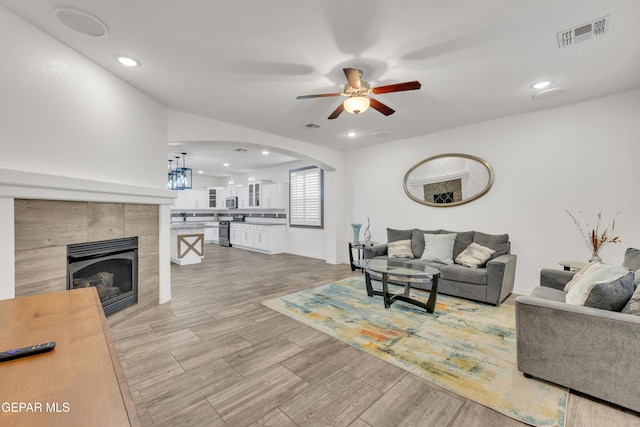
(448, 180)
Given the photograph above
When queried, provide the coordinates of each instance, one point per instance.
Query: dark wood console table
(80, 382)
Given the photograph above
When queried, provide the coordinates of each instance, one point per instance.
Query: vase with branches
(594, 237)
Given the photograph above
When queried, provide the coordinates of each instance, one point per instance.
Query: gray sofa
(491, 283)
(590, 350)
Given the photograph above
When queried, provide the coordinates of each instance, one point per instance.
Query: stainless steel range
(223, 227)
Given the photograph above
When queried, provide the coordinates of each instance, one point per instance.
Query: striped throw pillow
(399, 249)
(474, 255)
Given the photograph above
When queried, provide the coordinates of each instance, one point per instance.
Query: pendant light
(171, 177)
(180, 178)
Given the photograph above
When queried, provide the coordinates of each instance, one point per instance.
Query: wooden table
(80, 382)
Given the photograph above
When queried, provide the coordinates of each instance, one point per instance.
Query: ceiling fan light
(356, 104)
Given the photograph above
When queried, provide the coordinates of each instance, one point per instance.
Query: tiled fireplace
(45, 228)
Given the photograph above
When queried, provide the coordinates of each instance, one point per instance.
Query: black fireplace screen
(111, 266)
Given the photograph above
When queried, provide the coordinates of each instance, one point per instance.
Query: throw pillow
(498, 242)
(633, 306)
(632, 259)
(393, 235)
(474, 255)
(609, 288)
(400, 249)
(417, 241)
(587, 269)
(439, 248)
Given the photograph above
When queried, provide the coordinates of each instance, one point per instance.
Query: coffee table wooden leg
(385, 291)
(367, 281)
(431, 302)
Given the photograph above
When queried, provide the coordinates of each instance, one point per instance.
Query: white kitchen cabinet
(212, 235)
(261, 237)
(221, 195)
(191, 199)
(232, 190)
(243, 197)
(235, 234)
(256, 189)
(274, 196)
(214, 200)
(197, 199)
(181, 201)
(246, 235)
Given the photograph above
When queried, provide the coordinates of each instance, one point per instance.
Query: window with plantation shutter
(306, 197)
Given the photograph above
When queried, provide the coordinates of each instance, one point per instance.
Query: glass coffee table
(399, 271)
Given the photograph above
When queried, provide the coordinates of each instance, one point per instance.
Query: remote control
(26, 351)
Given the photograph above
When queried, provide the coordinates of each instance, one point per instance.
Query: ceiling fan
(356, 89)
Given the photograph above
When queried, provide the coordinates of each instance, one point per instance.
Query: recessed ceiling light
(200, 171)
(381, 134)
(542, 84)
(127, 61)
(550, 93)
(225, 164)
(265, 152)
(352, 134)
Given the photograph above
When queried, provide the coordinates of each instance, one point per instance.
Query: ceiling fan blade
(337, 111)
(320, 95)
(353, 77)
(384, 109)
(398, 87)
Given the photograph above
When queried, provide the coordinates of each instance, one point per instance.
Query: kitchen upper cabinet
(181, 201)
(243, 197)
(255, 193)
(197, 199)
(214, 201)
(274, 196)
(191, 199)
(232, 190)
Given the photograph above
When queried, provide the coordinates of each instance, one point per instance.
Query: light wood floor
(214, 356)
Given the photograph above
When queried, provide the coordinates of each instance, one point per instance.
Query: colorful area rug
(466, 347)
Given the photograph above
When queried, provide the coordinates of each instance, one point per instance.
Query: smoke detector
(588, 31)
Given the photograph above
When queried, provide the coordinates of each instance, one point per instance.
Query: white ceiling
(244, 62)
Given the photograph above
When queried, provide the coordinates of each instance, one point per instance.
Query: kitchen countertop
(263, 223)
(190, 225)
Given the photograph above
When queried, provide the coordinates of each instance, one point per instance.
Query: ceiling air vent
(312, 126)
(241, 150)
(596, 28)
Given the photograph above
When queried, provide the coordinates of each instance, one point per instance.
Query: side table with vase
(359, 246)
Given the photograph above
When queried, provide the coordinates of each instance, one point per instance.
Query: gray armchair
(586, 349)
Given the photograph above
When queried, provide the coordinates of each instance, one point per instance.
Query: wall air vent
(591, 30)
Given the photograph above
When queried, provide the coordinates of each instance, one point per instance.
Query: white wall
(582, 156)
(61, 114)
